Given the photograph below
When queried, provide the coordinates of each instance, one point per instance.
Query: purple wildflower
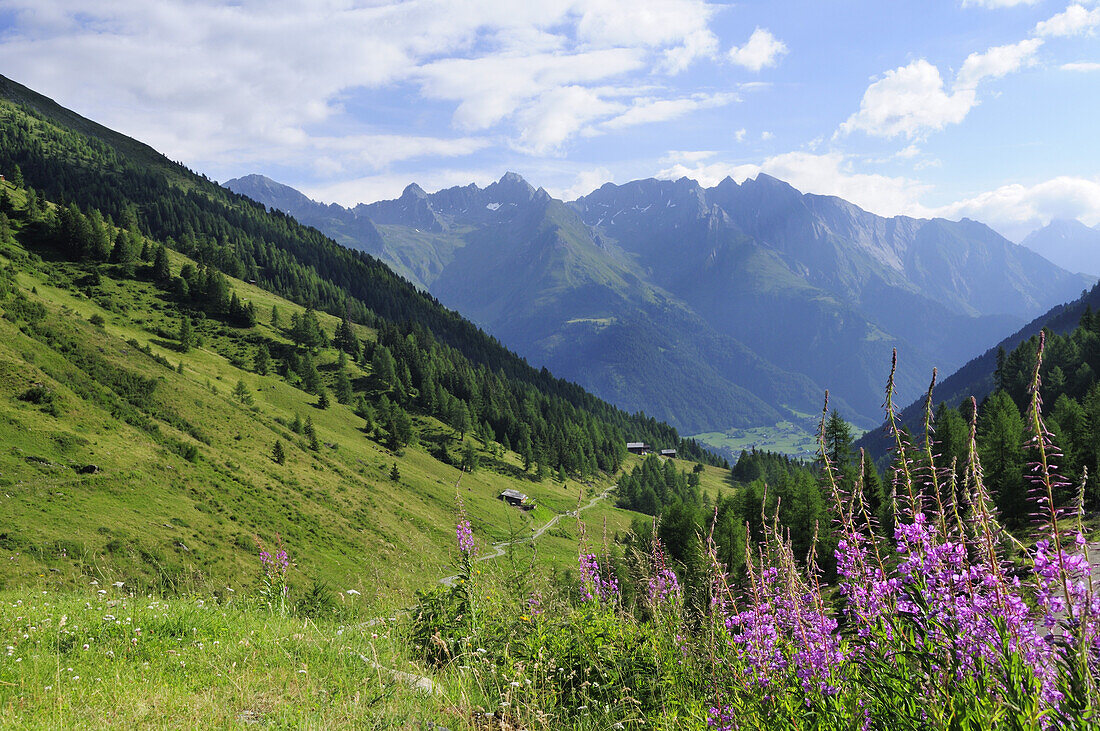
(465, 537)
(593, 584)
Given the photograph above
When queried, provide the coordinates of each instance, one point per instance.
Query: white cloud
(491, 88)
(766, 135)
(910, 101)
(586, 182)
(646, 111)
(762, 50)
(378, 151)
(1081, 66)
(826, 174)
(1016, 209)
(913, 101)
(739, 135)
(558, 115)
(995, 63)
(1013, 210)
(687, 156)
(216, 83)
(1074, 20)
(370, 188)
(700, 44)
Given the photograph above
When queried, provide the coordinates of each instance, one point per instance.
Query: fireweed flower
(663, 586)
(465, 537)
(593, 584)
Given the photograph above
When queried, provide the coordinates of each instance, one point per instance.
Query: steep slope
(976, 377)
(125, 457)
(1068, 243)
(538, 280)
(149, 369)
(241, 238)
(788, 273)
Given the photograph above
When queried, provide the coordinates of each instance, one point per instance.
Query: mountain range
(710, 308)
(1068, 243)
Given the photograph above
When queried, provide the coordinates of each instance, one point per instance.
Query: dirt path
(498, 548)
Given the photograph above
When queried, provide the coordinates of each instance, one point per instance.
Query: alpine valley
(718, 310)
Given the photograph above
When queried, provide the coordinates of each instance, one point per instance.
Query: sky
(981, 108)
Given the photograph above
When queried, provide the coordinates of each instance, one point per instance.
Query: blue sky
(980, 108)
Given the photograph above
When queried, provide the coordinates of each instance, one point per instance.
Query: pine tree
(100, 244)
(277, 453)
(383, 369)
(311, 434)
(344, 339)
(838, 441)
(275, 317)
(262, 360)
(470, 460)
(17, 177)
(399, 427)
(162, 271)
(186, 337)
(395, 474)
(322, 399)
(296, 425)
(343, 387)
(311, 377)
(1000, 439)
(460, 418)
(240, 392)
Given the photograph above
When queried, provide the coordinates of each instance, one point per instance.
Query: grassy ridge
(104, 489)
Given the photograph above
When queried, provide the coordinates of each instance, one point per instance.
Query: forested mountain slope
(161, 407)
(732, 306)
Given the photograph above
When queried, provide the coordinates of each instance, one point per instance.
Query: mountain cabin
(516, 499)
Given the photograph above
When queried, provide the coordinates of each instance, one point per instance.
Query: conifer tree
(277, 453)
(162, 271)
(296, 425)
(322, 399)
(262, 360)
(99, 248)
(240, 392)
(311, 434)
(186, 337)
(1000, 436)
(17, 177)
(395, 474)
(470, 458)
(344, 338)
(343, 387)
(275, 317)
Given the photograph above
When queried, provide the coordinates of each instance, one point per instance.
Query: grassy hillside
(165, 482)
